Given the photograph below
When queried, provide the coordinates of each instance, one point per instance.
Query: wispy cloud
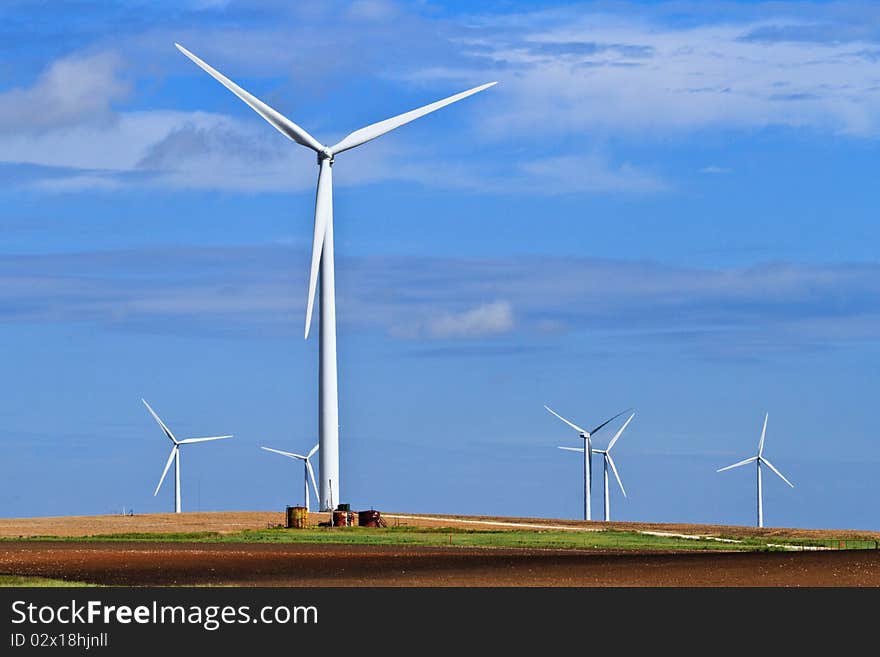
(72, 90)
(202, 150)
(571, 70)
(577, 174)
(714, 169)
(486, 319)
(576, 82)
(732, 312)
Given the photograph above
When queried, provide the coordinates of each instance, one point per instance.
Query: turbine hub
(325, 154)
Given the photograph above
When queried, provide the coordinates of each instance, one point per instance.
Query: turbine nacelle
(583, 433)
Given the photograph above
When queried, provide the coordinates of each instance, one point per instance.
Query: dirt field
(226, 522)
(426, 520)
(256, 564)
(234, 521)
(337, 565)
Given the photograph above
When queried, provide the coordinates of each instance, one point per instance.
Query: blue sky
(661, 205)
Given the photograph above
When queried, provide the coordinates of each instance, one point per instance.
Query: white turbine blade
(161, 423)
(611, 419)
(571, 424)
(617, 476)
(165, 471)
(323, 217)
(280, 122)
(374, 130)
(770, 465)
(572, 449)
(290, 454)
(187, 441)
(736, 465)
(599, 451)
(312, 475)
(763, 433)
(620, 431)
(313, 450)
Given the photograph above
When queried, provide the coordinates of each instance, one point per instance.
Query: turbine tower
(759, 460)
(307, 466)
(607, 460)
(322, 256)
(588, 461)
(175, 455)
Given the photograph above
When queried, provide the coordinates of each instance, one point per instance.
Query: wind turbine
(607, 460)
(307, 467)
(175, 455)
(759, 459)
(588, 461)
(322, 255)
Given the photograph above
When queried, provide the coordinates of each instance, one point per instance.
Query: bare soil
(154, 523)
(734, 531)
(149, 563)
(235, 521)
(134, 563)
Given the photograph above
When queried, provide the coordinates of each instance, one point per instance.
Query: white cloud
(568, 71)
(486, 319)
(118, 144)
(590, 173)
(255, 290)
(593, 79)
(72, 90)
(201, 150)
(89, 146)
(713, 169)
(76, 183)
(204, 150)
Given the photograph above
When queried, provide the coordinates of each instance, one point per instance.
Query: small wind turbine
(759, 459)
(588, 461)
(307, 467)
(175, 455)
(322, 255)
(607, 460)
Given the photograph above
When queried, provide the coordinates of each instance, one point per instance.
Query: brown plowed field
(149, 563)
(250, 564)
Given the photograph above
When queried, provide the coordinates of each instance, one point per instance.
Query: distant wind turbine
(607, 460)
(322, 255)
(175, 455)
(759, 459)
(307, 466)
(588, 461)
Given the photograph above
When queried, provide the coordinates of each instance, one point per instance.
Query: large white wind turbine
(759, 459)
(307, 466)
(175, 455)
(607, 460)
(322, 255)
(588, 461)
